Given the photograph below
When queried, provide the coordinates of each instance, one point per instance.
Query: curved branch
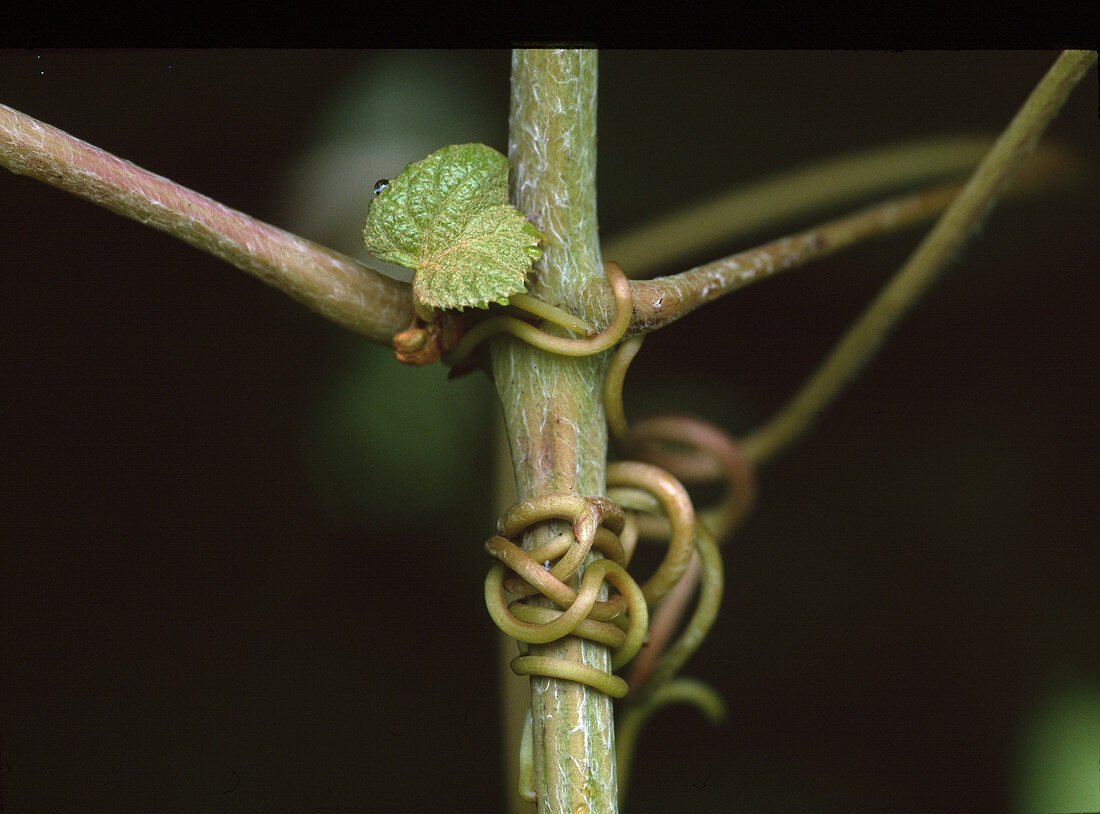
(338, 287)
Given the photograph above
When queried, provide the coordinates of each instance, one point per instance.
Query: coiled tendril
(596, 522)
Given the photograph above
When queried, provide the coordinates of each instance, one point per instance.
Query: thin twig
(338, 287)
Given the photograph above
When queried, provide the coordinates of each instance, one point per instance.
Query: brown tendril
(693, 450)
(698, 452)
(674, 447)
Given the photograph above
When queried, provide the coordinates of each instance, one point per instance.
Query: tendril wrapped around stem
(592, 342)
(596, 522)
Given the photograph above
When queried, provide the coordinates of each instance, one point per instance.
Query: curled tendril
(581, 613)
(628, 725)
(693, 450)
(613, 384)
(590, 344)
(660, 668)
(587, 515)
(690, 449)
(697, 452)
(674, 501)
(550, 313)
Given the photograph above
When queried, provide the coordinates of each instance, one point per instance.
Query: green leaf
(448, 217)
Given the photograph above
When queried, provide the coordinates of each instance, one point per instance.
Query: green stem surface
(551, 403)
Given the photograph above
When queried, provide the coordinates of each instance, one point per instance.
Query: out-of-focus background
(235, 539)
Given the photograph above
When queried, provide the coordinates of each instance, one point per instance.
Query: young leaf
(448, 217)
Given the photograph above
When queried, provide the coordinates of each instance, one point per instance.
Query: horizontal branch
(338, 287)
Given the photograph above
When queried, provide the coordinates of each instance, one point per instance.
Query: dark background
(241, 549)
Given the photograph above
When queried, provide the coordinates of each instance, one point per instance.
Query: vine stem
(551, 403)
(338, 287)
(943, 243)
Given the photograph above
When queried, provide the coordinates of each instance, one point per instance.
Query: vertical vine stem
(551, 403)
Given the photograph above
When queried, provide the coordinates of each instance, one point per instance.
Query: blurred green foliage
(1059, 751)
(390, 445)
